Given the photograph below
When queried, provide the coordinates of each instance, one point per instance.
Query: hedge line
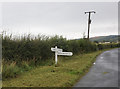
(38, 48)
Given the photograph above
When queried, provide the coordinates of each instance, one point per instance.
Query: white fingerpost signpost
(60, 52)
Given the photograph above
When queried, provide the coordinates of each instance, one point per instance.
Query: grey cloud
(57, 17)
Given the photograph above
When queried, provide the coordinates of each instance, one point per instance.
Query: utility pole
(89, 20)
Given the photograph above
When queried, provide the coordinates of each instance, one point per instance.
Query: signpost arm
(55, 55)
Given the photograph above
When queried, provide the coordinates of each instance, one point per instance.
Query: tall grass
(21, 53)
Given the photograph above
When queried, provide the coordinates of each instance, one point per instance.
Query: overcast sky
(61, 18)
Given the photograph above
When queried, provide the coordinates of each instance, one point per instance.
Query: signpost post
(60, 52)
(56, 55)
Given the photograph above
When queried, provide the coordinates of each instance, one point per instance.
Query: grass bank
(68, 72)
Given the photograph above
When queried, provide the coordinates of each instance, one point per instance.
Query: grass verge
(66, 74)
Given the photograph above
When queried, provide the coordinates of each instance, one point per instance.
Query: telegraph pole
(89, 20)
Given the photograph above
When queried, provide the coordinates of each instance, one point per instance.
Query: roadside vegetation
(69, 71)
(27, 52)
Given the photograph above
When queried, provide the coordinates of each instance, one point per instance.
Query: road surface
(104, 72)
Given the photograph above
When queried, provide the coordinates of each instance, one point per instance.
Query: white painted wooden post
(56, 55)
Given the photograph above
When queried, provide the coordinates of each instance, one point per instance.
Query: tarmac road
(104, 72)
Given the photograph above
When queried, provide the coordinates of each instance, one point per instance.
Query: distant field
(110, 38)
(68, 72)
